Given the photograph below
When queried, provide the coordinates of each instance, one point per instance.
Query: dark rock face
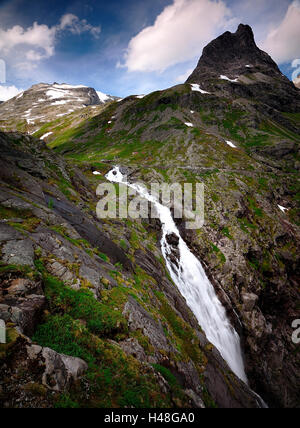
(252, 73)
(231, 53)
(172, 240)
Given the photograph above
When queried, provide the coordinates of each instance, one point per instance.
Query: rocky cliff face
(88, 305)
(234, 65)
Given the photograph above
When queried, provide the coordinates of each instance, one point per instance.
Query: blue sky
(127, 47)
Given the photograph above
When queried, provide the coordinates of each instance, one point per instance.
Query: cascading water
(191, 280)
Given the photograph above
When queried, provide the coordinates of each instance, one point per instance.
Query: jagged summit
(232, 65)
(231, 54)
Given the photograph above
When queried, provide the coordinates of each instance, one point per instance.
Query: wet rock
(172, 239)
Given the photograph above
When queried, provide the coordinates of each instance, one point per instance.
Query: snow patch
(46, 135)
(103, 97)
(59, 102)
(192, 112)
(229, 80)
(196, 88)
(96, 173)
(140, 96)
(189, 124)
(283, 209)
(231, 144)
(65, 86)
(56, 93)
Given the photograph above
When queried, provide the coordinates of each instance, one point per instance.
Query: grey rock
(8, 233)
(139, 319)
(249, 301)
(132, 347)
(196, 400)
(5, 313)
(61, 370)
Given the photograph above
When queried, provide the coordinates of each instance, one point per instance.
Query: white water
(194, 285)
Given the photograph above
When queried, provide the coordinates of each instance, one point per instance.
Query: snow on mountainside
(43, 103)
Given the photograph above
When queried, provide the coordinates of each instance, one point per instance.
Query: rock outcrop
(234, 64)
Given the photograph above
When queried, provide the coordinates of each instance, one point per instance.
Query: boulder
(172, 239)
(61, 371)
(27, 314)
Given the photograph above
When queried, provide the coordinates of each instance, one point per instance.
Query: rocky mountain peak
(232, 65)
(231, 54)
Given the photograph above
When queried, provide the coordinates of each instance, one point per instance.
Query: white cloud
(76, 26)
(183, 77)
(23, 48)
(282, 42)
(39, 37)
(178, 34)
(8, 92)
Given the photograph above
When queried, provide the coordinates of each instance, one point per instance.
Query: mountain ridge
(43, 103)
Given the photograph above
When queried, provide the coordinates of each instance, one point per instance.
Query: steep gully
(191, 280)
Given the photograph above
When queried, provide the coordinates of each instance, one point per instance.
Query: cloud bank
(177, 35)
(23, 48)
(283, 42)
(8, 92)
(182, 29)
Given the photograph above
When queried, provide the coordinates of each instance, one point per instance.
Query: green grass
(170, 378)
(219, 253)
(78, 325)
(81, 304)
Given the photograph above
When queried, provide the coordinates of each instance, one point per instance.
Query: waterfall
(192, 282)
